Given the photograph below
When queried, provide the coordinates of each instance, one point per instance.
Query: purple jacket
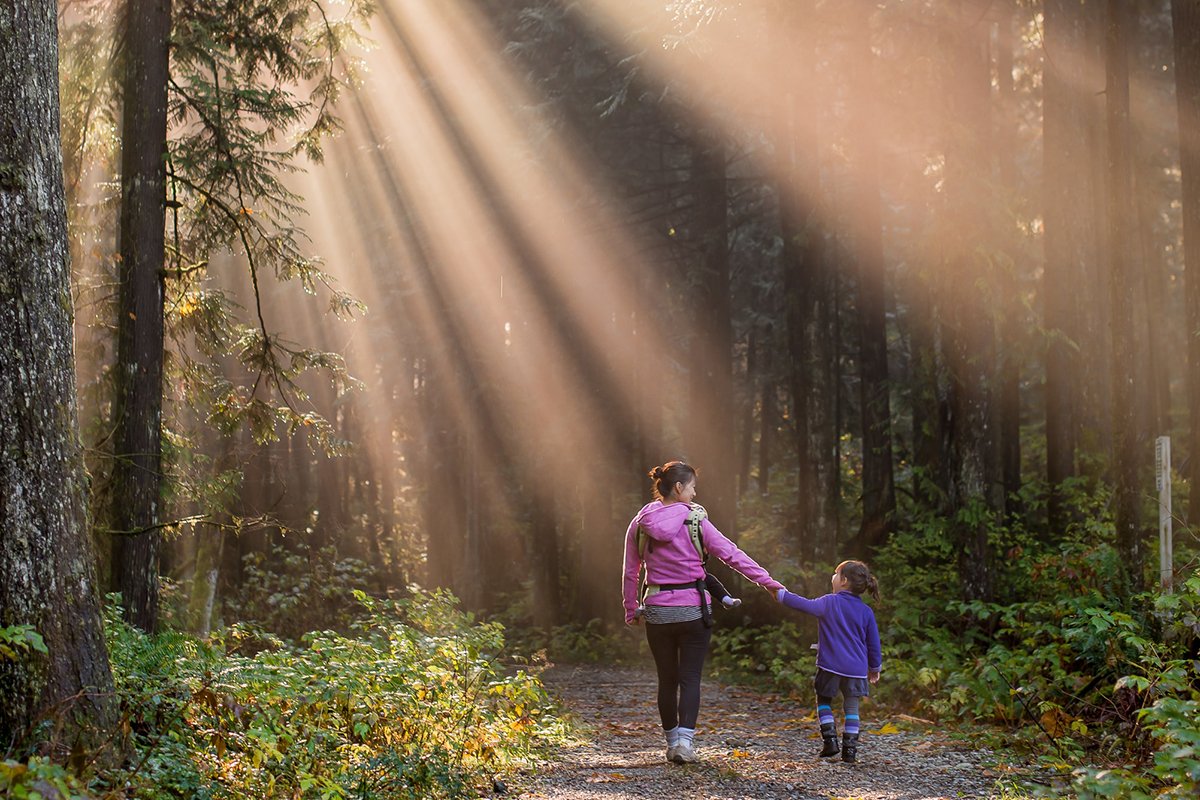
(847, 636)
(670, 557)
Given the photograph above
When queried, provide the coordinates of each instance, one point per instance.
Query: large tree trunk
(878, 488)
(808, 286)
(46, 557)
(968, 333)
(709, 437)
(1069, 232)
(1185, 18)
(137, 474)
(1130, 451)
(1008, 384)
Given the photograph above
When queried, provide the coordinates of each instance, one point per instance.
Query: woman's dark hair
(664, 478)
(859, 577)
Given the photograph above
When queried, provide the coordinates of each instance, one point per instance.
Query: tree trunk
(1185, 18)
(709, 437)
(137, 473)
(46, 557)
(808, 285)
(768, 419)
(751, 382)
(1068, 235)
(1008, 399)
(879, 492)
(969, 336)
(1131, 451)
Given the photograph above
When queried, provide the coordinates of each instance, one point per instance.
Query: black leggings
(679, 649)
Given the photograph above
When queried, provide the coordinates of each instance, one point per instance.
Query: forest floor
(753, 746)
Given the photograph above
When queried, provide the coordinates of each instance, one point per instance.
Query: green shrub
(415, 702)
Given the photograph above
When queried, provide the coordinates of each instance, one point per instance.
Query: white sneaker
(684, 754)
(671, 753)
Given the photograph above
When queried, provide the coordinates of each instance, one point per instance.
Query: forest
(338, 337)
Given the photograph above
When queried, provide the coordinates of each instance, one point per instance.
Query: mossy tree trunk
(137, 472)
(47, 576)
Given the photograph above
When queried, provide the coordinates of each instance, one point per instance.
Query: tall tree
(45, 550)
(1008, 383)
(709, 437)
(808, 282)
(1130, 453)
(878, 487)
(1069, 232)
(975, 484)
(1185, 19)
(137, 467)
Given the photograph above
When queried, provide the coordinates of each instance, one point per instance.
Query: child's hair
(665, 477)
(859, 576)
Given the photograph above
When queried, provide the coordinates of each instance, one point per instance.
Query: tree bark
(137, 474)
(1068, 236)
(1008, 399)
(1131, 451)
(1185, 19)
(878, 487)
(709, 438)
(808, 285)
(968, 333)
(46, 557)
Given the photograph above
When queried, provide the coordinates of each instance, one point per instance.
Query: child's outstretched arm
(792, 600)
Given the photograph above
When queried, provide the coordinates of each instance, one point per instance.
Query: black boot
(849, 747)
(829, 737)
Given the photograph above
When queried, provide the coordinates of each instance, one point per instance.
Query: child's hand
(873, 677)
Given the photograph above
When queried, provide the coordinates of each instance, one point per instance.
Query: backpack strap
(695, 516)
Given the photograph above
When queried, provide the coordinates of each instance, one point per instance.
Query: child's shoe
(849, 747)
(829, 741)
(731, 602)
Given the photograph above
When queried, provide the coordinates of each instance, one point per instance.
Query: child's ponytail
(859, 578)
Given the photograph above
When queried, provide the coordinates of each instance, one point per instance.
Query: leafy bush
(293, 592)
(415, 703)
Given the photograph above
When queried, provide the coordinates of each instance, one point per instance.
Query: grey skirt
(830, 684)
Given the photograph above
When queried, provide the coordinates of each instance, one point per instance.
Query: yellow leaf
(739, 753)
(885, 729)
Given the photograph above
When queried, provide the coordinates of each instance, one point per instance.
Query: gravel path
(753, 747)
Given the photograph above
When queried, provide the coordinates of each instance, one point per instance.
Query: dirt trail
(753, 747)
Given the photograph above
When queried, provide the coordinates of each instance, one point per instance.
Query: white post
(1162, 468)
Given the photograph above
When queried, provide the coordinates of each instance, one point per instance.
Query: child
(848, 653)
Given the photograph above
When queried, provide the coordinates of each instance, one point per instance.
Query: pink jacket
(670, 557)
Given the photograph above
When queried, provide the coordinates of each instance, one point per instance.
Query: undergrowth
(419, 700)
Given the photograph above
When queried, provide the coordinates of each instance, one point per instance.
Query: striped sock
(825, 716)
(850, 707)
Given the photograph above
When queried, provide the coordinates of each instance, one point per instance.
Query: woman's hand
(873, 677)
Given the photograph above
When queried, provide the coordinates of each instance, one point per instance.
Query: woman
(676, 603)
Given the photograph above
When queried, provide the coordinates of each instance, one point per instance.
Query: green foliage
(239, 125)
(38, 779)
(779, 656)
(416, 703)
(293, 592)
(17, 640)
